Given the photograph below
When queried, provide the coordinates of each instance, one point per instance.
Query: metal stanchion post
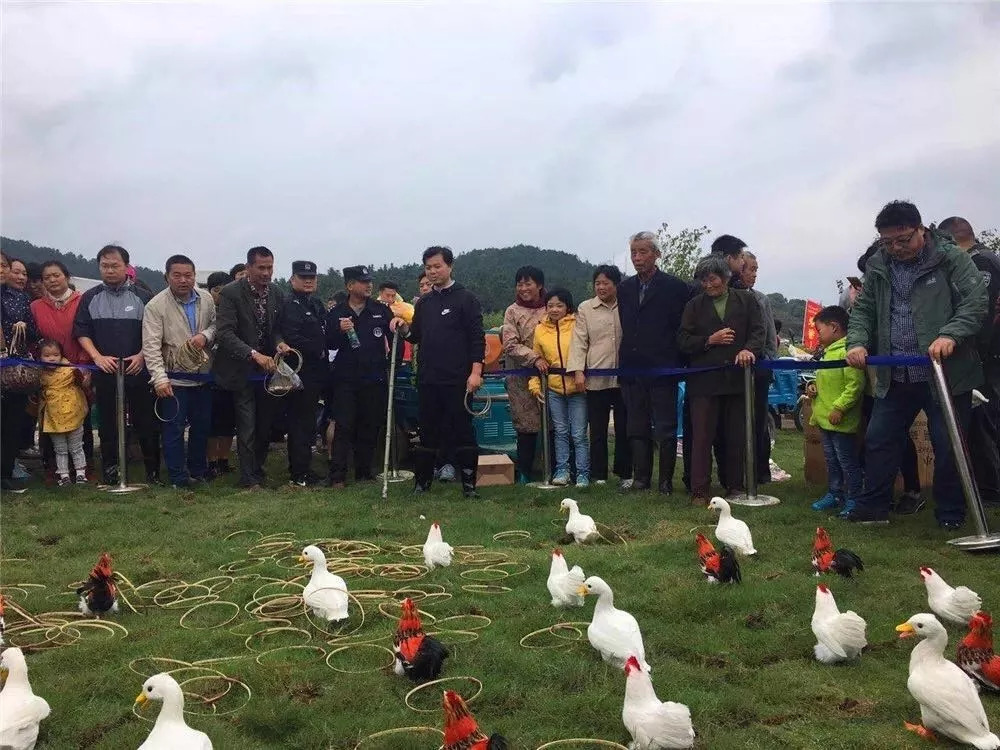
(545, 484)
(393, 475)
(750, 466)
(983, 539)
(122, 486)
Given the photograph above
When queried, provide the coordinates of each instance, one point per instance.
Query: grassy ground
(740, 657)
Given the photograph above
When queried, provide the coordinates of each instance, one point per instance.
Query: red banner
(810, 336)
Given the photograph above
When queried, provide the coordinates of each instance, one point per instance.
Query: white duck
(170, 732)
(21, 711)
(732, 531)
(949, 701)
(579, 526)
(653, 724)
(956, 605)
(564, 584)
(840, 635)
(613, 632)
(437, 552)
(326, 592)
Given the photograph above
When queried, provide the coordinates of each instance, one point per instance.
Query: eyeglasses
(902, 240)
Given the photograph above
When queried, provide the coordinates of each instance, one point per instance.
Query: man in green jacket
(921, 295)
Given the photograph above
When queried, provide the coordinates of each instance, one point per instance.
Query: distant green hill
(76, 264)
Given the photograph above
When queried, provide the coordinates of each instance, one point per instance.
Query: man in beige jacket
(178, 328)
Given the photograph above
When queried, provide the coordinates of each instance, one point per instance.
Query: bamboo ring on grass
(210, 604)
(262, 634)
(486, 588)
(178, 596)
(412, 551)
(581, 741)
(484, 621)
(307, 611)
(512, 534)
(172, 582)
(485, 557)
(484, 574)
(215, 588)
(340, 649)
(349, 640)
(449, 635)
(238, 566)
(270, 548)
(240, 532)
(399, 730)
(519, 568)
(143, 673)
(551, 630)
(300, 647)
(601, 528)
(264, 623)
(424, 686)
(400, 571)
(211, 699)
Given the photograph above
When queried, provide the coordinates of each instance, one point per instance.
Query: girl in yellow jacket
(62, 409)
(567, 401)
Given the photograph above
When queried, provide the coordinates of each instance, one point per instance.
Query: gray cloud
(348, 132)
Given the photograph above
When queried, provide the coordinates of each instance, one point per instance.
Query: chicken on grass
(840, 636)
(955, 605)
(170, 732)
(843, 561)
(653, 724)
(975, 652)
(948, 699)
(717, 566)
(437, 552)
(21, 711)
(461, 732)
(564, 583)
(99, 595)
(418, 655)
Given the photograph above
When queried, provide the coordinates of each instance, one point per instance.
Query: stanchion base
(544, 486)
(977, 543)
(119, 490)
(396, 476)
(757, 501)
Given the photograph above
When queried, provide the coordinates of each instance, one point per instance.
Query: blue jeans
(569, 422)
(891, 418)
(194, 409)
(843, 470)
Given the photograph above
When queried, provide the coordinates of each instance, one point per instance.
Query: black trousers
(139, 403)
(445, 426)
(652, 417)
(600, 405)
(12, 419)
(255, 414)
(984, 445)
(359, 413)
(301, 409)
(908, 466)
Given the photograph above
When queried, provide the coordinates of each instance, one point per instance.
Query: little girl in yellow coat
(61, 412)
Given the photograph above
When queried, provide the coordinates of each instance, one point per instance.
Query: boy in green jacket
(836, 396)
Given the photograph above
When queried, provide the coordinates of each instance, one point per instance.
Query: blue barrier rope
(764, 364)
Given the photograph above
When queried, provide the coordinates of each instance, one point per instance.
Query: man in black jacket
(358, 330)
(246, 335)
(650, 305)
(301, 326)
(108, 326)
(448, 327)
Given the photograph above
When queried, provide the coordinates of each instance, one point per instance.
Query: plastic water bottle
(352, 336)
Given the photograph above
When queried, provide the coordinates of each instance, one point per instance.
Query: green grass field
(740, 657)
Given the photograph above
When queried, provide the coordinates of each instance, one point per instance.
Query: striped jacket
(112, 319)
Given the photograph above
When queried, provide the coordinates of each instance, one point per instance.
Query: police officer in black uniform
(358, 329)
(300, 326)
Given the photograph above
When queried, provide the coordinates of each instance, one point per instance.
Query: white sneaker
(600, 481)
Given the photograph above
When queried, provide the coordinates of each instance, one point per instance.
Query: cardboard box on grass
(495, 470)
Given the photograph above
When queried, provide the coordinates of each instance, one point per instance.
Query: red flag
(810, 336)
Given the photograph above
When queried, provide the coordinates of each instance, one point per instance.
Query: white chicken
(949, 701)
(732, 531)
(437, 552)
(170, 732)
(956, 605)
(613, 632)
(840, 636)
(579, 526)
(564, 583)
(326, 592)
(21, 711)
(653, 724)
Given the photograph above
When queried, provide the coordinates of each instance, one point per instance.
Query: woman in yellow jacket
(62, 409)
(567, 400)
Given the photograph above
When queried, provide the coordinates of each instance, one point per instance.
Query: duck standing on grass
(613, 632)
(21, 711)
(949, 701)
(581, 527)
(731, 531)
(326, 593)
(653, 724)
(170, 732)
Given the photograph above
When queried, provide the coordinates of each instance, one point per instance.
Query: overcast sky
(350, 133)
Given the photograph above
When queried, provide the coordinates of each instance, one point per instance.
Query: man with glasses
(108, 326)
(921, 295)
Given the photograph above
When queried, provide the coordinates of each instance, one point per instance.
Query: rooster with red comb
(975, 652)
(461, 732)
(653, 724)
(99, 594)
(843, 562)
(717, 566)
(418, 655)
